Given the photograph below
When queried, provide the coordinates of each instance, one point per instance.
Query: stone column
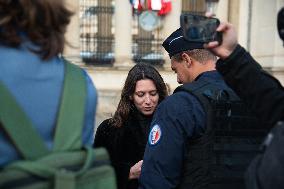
(277, 68)
(170, 24)
(73, 33)
(263, 31)
(123, 34)
(244, 28)
(279, 50)
(222, 10)
(233, 13)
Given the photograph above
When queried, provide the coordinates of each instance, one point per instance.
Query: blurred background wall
(107, 37)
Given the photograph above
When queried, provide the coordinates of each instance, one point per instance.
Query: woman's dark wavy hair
(44, 22)
(139, 72)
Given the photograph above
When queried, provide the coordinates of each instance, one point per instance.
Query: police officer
(179, 153)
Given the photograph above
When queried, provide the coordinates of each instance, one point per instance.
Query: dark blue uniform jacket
(177, 119)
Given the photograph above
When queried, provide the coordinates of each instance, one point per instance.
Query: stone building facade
(117, 40)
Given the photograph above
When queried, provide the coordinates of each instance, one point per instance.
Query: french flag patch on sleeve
(155, 135)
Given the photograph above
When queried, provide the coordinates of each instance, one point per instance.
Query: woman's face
(146, 96)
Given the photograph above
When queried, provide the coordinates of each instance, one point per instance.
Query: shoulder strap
(68, 134)
(205, 91)
(19, 127)
(208, 94)
(197, 90)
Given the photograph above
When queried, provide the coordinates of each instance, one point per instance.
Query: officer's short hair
(200, 55)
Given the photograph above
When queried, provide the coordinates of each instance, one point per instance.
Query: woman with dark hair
(31, 40)
(125, 134)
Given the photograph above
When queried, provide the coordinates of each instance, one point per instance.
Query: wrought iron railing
(147, 45)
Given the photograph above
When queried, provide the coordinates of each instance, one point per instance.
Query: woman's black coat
(125, 145)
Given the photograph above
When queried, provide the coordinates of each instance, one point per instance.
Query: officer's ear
(187, 59)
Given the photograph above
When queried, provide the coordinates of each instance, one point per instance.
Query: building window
(97, 31)
(146, 45)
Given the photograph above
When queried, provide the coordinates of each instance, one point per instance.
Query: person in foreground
(179, 152)
(264, 94)
(125, 134)
(31, 40)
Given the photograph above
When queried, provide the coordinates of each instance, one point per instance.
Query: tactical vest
(219, 158)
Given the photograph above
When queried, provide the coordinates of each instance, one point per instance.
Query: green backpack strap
(69, 124)
(68, 135)
(19, 127)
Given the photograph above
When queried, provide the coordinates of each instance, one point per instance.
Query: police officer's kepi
(176, 43)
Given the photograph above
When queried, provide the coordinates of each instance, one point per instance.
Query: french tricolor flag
(163, 7)
(166, 7)
(137, 4)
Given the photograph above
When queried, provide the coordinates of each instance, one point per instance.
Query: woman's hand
(135, 170)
